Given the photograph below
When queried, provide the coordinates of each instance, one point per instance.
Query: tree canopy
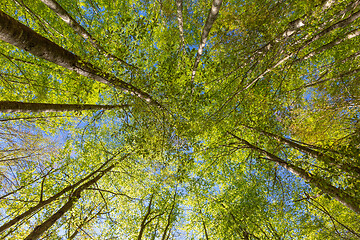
(139, 119)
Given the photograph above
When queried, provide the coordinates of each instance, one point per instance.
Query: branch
(114, 193)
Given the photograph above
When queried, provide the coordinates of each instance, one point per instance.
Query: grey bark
(143, 222)
(338, 194)
(205, 33)
(331, 28)
(169, 218)
(12, 107)
(295, 25)
(66, 17)
(337, 25)
(23, 37)
(42, 204)
(74, 197)
(179, 7)
(316, 154)
(333, 43)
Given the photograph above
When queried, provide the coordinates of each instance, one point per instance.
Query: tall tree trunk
(334, 192)
(66, 17)
(74, 197)
(85, 221)
(10, 106)
(169, 218)
(295, 51)
(349, 35)
(316, 154)
(179, 8)
(215, 8)
(42, 204)
(333, 27)
(23, 37)
(143, 222)
(147, 219)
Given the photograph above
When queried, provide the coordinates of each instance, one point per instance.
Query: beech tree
(9, 106)
(179, 119)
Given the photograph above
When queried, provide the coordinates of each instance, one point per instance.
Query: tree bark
(331, 28)
(334, 192)
(143, 223)
(316, 154)
(74, 197)
(11, 107)
(350, 35)
(179, 7)
(42, 204)
(66, 17)
(85, 221)
(169, 218)
(23, 37)
(215, 8)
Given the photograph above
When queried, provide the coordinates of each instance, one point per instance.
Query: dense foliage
(139, 119)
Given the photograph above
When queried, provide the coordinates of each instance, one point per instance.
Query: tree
(341, 196)
(9, 106)
(241, 118)
(25, 38)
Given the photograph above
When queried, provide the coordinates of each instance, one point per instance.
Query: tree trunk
(23, 37)
(143, 222)
(215, 8)
(74, 197)
(66, 17)
(331, 28)
(42, 204)
(85, 221)
(10, 106)
(169, 218)
(179, 7)
(334, 192)
(316, 154)
(350, 35)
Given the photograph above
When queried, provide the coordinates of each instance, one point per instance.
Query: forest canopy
(139, 119)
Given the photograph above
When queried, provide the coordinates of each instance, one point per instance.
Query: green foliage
(185, 175)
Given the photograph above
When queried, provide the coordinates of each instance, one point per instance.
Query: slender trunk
(42, 204)
(74, 197)
(331, 28)
(143, 223)
(23, 37)
(66, 17)
(316, 154)
(245, 233)
(179, 6)
(168, 223)
(205, 230)
(350, 35)
(169, 218)
(86, 220)
(334, 192)
(10, 106)
(298, 23)
(240, 88)
(29, 118)
(320, 80)
(205, 33)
